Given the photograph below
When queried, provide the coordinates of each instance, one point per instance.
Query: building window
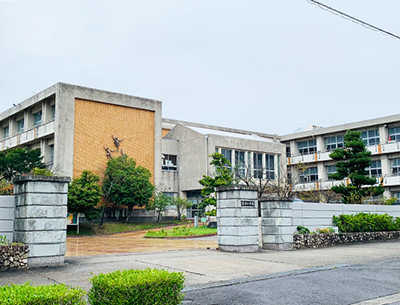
(21, 126)
(169, 162)
(227, 153)
(309, 175)
(288, 154)
(307, 147)
(51, 154)
(375, 169)
(6, 132)
(270, 167)
(395, 167)
(240, 163)
(394, 134)
(370, 137)
(37, 119)
(257, 165)
(331, 143)
(53, 112)
(396, 195)
(330, 169)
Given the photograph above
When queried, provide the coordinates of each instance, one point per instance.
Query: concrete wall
(319, 215)
(7, 206)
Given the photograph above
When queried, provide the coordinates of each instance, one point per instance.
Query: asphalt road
(373, 284)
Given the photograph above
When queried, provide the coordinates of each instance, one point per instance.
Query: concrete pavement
(209, 268)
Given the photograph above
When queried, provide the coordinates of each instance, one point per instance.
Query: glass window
(288, 154)
(257, 165)
(334, 142)
(309, 175)
(6, 132)
(395, 167)
(375, 169)
(370, 137)
(53, 112)
(51, 154)
(240, 164)
(396, 195)
(21, 126)
(169, 163)
(270, 167)
(330, 169)
(37, 118)
(227, 153)
(307, 147)
(394, 134)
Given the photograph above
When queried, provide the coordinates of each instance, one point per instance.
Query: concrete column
(41, 218)
(237, 219)
(277, 224)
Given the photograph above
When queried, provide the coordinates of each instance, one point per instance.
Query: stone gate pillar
(237, 219)
(277, 224)
(41, 218)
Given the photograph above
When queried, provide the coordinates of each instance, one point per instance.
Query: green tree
(159, 204)
(127, 184)
(223, 176)
(352, 161)
(84, 195)
(181, 205)
(17, 161)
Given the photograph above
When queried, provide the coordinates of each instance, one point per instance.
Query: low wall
(305, 241)
(13, 257)
(7, 207)
(319, 215)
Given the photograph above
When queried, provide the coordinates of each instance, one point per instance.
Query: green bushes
(41, 295)
(149, 286)
(366, 222)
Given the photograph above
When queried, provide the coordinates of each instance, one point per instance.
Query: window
(227, 153)
(270, 167)
(257, 165)
(51, 154)
(330, 169)
(395, 167)
(334, 142)
(309, 175)
(169, 162)
(53, 112)
(288, 154)
(240, 163)
(394, 134)
(21, 126)
(375, 169)
(370, 137)
(307, 147)
(37, 119)
(6, 132)
(396, 195)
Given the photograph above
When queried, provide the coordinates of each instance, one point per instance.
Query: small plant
(302, 230)
(6, 188)
(327, 230)
(4, 241)
(183, 217)
(41, 172)
(213, 212)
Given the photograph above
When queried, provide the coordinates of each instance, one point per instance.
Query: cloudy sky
(265, 65)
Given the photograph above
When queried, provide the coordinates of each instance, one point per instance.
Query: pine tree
(352, 161)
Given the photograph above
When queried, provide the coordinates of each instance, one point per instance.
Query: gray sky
(269, 65)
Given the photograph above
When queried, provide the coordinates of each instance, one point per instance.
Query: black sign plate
(247, 203)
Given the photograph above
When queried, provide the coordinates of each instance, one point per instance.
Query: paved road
(378, 282)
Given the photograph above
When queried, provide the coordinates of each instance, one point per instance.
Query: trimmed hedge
(144, 287)
(366, 222)
(41, 295)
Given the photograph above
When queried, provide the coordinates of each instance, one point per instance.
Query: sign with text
(248, 203)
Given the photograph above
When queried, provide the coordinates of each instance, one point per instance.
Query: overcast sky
(269, 65)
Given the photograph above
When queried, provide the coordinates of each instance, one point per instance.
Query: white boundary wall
(319, 215)
(7, 207)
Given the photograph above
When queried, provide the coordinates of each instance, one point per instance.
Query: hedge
(366, 222)
(41, 295)
(145, 287)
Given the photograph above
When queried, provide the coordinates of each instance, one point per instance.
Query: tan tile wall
(95, 123)
(164, 131)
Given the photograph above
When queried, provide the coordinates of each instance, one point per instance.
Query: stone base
(278, 247)
(245, 249)
(45, 261)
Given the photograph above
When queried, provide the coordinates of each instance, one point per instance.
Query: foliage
(41, 172)
(181, 205)
(6, 188)
(127, 184)
(327, 230)
(144, 287)
(18, 161)
(4, 241)
(183, 217)
(366, 222)
(302, 230)
(41, 295)
(181, 231)
(223, 176)
(213, 212)
(84, 194)
(351, 163)
(159, 204)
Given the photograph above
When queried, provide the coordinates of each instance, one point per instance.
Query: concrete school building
(79, 128)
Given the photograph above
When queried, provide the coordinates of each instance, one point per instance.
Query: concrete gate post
(237, 219)
(277, 224)
(41, 218)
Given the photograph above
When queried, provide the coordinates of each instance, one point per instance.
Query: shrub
(41, 172)
(302, 230)
(149, 286)
(6, 188)
(324, 230)
(40, 295)
(366, 222)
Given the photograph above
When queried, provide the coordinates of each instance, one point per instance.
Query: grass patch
(92, 229)
(181, 231)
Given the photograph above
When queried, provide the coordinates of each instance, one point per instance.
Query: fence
(7, 207)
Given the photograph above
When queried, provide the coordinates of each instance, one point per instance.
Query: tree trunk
(102, 215)
(129, 214)
(179, 215)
